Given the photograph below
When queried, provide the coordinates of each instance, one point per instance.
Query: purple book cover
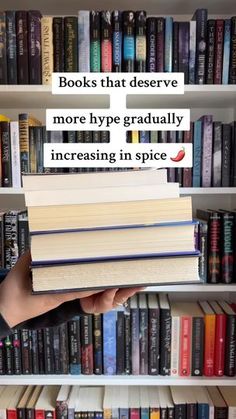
(135, 350)
(34, 45)
(109, 342)
(207, 139)
(22, 47)
(160, 43)
(184, 50)
(151, 44)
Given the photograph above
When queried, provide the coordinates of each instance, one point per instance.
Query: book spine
(191, 410)
(197, 154)
(97, 343)
(140, 41)
(214, 244)
(41, 351)
(34, 352)
(175, 46)
(230, 346)
(2, 358)
(71, 43)
(143, 340)
(165, 339)
(87, 344)
(219, 43)
(11, 239)
(211, 37)
(184, 50)
(197, 346)
(168, 44)
(201, 37)
(15, 154)
(185, 346)
(144, 137)
(227, 251)
(207, 126)
(24, 143)
(203, 410)
(106, 41)
(16, 343)
(11, 47)
(151, 44)
(32, 150)
(220, 345)
(226, 154)
(203, 248)
(217, 154)
(127, 332)
(171, 138)
(84, 41)
(120, 343)
(117, 41)
(226, 52)
(128, 41)
(34, 45)
(232, 67)
(95, 42)
(180, 411)
(74, 346)
(3, 49)
(56, 350)
(25, 350)
(64, 348)
(187, 171)
(2, 240)
(7, 241)
(23, 233)
(62, 409)
(39, 149)
(135, 349)
(233, 159)
(153, 341)
(209, 353)
(109, 342)
(160, 44)
(48, 350)
(6, 155)
(47, 49)
(192, 51)
(175, 346)
(8, 349)
(179, 170)
(58, 45)
(22, 47)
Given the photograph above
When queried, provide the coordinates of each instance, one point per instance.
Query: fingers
(70, 296)
(124, 294)
(100, 303)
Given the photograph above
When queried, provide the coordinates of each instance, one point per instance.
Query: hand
(17, 304)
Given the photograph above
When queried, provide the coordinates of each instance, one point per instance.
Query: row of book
(125, 402)
(33, 46)
(214, 150)
(151, 335)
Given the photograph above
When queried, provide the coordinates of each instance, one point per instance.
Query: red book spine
(219, 41)
(106, 42)
(185, 346)
(220, 334)
(39, 414)
(134, 413)
(11, 414)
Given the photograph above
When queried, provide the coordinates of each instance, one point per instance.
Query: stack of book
(93, 231)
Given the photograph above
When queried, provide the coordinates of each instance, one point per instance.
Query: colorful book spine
(227, 252)
(230, 360)
(128, 41)
(185, 346)
(140, 41)
(214, 243)
(232, 67)
(209, 351)
(84, 41)
(219, 44)
(151, 44)
(95, 42)
(211, 32)
(144, 136)
(58, 45)
(183, 48)
(168, 44)
(134, 137)
(98, 343)
(192, 51)
(47, 49)
(200, 17)
(160, 44)
(197, 154)
(11, 47)
(106, 41)
(2, 358)
(22, 47)
(8, 349)
(207, 141)
(226, 53)
(87, 344)
(217, 155)
(3, 49)
(71, 43)
(109, 342)
(34, 46)
(165, 338)
(220, 343)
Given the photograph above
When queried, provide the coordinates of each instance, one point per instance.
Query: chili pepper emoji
(179, 156)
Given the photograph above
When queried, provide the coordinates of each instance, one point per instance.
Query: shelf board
(115, 380)
(40, 97)
(189, 288)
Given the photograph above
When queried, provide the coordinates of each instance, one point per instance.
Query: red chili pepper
(179, 156)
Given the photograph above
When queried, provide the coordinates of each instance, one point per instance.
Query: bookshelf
(219, 100)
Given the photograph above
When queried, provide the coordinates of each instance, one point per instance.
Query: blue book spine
(192, 51)
(117, 41)
(144, 136)
(197, 154)
(203, 411)
(168, 44)
(144, 413)
(124, 413)
(135, 350)
(109, 342)
(226, 56)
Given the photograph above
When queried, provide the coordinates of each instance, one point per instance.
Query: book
(192, 51)
(200, 17)
(168, 44)
(226, 154)
(232, 66)
(230, 361)
(47, 49)
(226, 53)
(135, 325)
(71, 43)
(220, 336)
(211, 48)
(140, 41)
(219, 51)
(128, 41)
(217, 155)
(11, 47)
(183, 61)
(151, 44)
(34, 45)
(109, 342)
(165, 335)
(218, 401)
(153, 334)
(209, 345)
(207, 140)
(95, 41)
(58, 45)
(22, 47)
(3, 49)
(84, 41)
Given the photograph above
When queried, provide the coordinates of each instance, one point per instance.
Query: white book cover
(84, 41)
(175, 333)
(15, 154)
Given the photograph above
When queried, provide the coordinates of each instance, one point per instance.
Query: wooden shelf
(115, 380)
(192, 288)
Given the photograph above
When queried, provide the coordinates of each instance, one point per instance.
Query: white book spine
(175, 332)
(84, 41)
(232, 412)
(3, 413)
(15, 154)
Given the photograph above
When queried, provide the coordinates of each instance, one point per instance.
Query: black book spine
(6, 155)
(230, 345)
(232, 67)
(160, 43)
(56, 350)
(180, 411)
(2, 358)
(48, 350)
(96, 136)
(105, 136)
(183, 48)
(26, 352)
(197, 345)
(191, 410)
(171, 412)
(16, 343)
(226, 154)
(151, 44)
(34, 352)
(221, 412)
(154, 341)
(11, 47)
(2, 256)
(140, 41)
(117, 41)
(7, 241)
(201, 38)
(41, 351)
(211, 25)
(34, 45)
(71, 43)
(227, 251)
(23, 233)
(22, 47)
(97, 344)
(163, 413)
(3, 49)
(203, 247)
(58, 45)
(143, 340)
(63, 348)
(120, 343)
(11, 239)
(127, 342)
(128, 41)
(95, 42)
(175, 46)
(74, 346)
(87, 344)
(165, 340)
(9, 367)
(217, 154)
(233, 159)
